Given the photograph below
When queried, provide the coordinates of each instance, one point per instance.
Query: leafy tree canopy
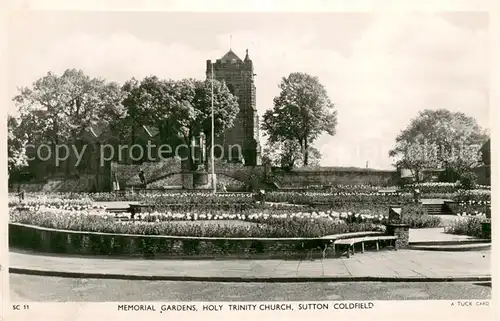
(288, 154)
(181, 108)
(301, 113)
(439, 139)
(16, 147)
(57, 108)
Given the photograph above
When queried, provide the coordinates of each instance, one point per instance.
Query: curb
(222, 279)
(452, 248)
(454, 242)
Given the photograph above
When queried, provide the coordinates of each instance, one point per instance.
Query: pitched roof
(99, 128)
(230, 56)
(152, 131)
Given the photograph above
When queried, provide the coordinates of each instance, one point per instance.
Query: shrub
(468, 180)
(467, 225)
(448, 175)
(416, 217)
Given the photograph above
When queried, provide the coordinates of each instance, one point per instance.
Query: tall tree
(59, 108)
(486, 153)
(147, 103)
(301, 113)
(440, 138)
(418, 156)
(288, 154)
(181, 108)
(16, 146)
(226, 109)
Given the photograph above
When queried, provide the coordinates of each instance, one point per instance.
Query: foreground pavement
(402, 265)
(437, 234)
(28, 288)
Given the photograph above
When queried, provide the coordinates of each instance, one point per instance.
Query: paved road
(24, 288)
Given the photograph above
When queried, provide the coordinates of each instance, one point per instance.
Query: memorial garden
(235, 223)
(285, 204)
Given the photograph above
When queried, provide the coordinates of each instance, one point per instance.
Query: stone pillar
(203, 148)
(212, 179)
(200, 178)
(187, 180)
(402, 232)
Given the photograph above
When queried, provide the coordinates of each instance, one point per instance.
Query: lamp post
(214, 185)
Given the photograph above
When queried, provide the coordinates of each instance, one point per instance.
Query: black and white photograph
(275, 161)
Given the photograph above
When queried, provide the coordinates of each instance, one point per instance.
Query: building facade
(241, 142)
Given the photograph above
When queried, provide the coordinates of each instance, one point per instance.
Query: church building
(241, 142)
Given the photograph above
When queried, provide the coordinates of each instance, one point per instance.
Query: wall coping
(183, 237)
(397, 225)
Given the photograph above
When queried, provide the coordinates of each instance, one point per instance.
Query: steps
(437, 209)
(451, 242)
(118, 210)
(452, 245)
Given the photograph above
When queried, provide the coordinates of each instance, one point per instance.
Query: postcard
(252, 160)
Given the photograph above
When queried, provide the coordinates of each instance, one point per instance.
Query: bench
(349, 243)
(335, 237)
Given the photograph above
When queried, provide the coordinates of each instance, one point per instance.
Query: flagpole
(214, 185)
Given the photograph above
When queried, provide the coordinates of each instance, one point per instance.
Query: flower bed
(360, 188)
(441, 187)
(473, 208)
(435, 187)
(53, 202)
(473, 195)
(209, 207)
(268, 223)
(340, 198)
(152, 246)
(415, 217)
(85, 229)
(175, 197)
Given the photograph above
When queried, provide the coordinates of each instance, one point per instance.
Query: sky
(380, 69)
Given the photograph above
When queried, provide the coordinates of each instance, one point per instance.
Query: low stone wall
(128, 174)
(86, 243)
(326, 176)
(85, 183)
(171, 180)
(48, 240)
(162, 173)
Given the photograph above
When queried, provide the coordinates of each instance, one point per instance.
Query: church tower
(244, 135)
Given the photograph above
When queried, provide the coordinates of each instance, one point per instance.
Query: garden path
(433, 200)
(383, 264)
(116, 205)
(435, 235)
